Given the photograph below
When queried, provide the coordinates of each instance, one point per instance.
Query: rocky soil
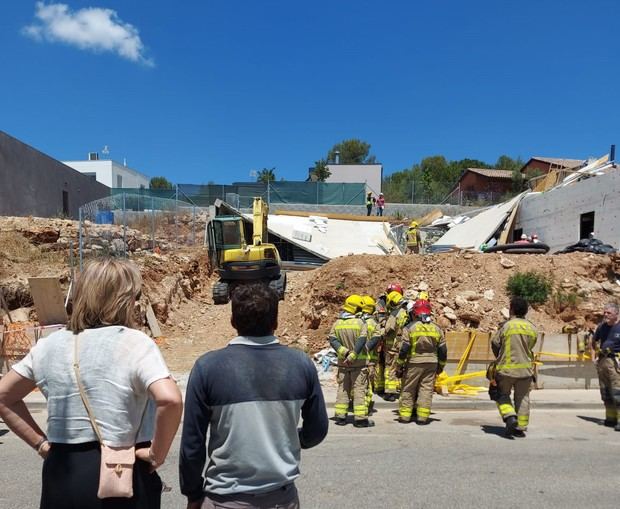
(466, 289)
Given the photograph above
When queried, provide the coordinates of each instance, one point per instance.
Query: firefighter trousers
(609, 383)
(352, 385)
(392, 383)
(521, 408)
(418, 386)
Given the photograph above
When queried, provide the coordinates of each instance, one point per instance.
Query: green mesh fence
(241, 194)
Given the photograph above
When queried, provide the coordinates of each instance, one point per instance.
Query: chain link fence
(129, 223)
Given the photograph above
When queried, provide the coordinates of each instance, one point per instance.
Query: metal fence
(243, 193)
(130, 223)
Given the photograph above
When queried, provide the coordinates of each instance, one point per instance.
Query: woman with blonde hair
(100, 377)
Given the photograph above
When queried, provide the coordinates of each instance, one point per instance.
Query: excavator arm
(260, 212)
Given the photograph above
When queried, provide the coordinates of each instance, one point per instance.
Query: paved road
(460, 460)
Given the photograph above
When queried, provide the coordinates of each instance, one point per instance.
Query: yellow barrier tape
(449, 383)
(580, 356)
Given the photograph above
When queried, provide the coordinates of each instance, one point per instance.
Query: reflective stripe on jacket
(346, 331)
(425, 343)
(395, 322)
(513, 347)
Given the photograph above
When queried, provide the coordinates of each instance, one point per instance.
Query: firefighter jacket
(513, 346)
(413, 237)
(349, 335)
(396, 320)
(422, 343)
(373, 338)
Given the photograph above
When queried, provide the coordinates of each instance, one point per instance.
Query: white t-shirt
(117, 365)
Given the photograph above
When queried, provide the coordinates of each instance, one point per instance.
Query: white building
(110, 173)
(369, 174)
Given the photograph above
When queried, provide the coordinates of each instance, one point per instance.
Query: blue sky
(209, 90)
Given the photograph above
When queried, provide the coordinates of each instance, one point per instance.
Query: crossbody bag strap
(89, 410)
(76, 369)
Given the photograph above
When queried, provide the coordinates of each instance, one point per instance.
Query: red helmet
(394, 287)
(422, 310)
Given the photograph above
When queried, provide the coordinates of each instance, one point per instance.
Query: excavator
(236, 261)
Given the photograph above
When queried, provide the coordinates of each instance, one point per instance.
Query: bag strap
(89, 410)
(76, 369)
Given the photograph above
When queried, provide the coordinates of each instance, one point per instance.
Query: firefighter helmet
(393, 299)
(394, 287)
(421, 310)
(422, 295)
(368, 304)
(413, 224)
(353, 304)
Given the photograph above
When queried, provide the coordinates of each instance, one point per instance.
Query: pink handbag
(116, 471)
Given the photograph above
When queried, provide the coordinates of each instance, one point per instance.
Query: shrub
(532, 286)
(563, 299)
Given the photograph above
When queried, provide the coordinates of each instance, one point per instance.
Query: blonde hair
(105, 294)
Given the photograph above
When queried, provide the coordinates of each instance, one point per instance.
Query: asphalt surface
(460, 460)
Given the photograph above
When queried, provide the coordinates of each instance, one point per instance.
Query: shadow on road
(594, 420)
(495, 430)
(3, 432)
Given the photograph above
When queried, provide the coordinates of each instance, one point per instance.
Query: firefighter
(348, 337)
(372, 347)
(606, 353)
(513, 346)
(381, 314)
(396, 320)
(421, 358)
(413, 238)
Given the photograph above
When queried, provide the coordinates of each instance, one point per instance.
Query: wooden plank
(508, 226)
(457, 343)
(4, 305)
(427, 219)
(152, 321)
(48, 300)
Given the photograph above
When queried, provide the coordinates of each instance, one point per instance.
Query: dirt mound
(466, 289)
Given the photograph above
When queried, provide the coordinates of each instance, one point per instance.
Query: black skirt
(71, 479)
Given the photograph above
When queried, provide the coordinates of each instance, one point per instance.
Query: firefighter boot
(511, 425)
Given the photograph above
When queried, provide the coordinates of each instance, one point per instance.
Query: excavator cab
(236, 261)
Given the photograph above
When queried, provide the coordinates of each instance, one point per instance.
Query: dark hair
(254, 309)
(518, 306)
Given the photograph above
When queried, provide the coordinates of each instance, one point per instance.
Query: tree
(160, 183)
(321, 171)
(508, 163)
(352, 151)
(266, 175)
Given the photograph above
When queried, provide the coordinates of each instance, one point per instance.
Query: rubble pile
(466, 289)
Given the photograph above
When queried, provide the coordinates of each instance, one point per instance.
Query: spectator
(249, 397)
(119, 368)
(380, 204)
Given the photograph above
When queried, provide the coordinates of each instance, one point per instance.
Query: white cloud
(91, 28)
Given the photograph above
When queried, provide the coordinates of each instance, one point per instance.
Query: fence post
(80, 239)
(124, 228)
(152, 224)
(193, 226)
(176, 216)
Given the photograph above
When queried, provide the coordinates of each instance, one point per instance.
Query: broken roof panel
(330, 238)
(479, 229)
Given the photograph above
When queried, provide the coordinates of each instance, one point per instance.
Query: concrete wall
(370, 174)
(107, 173)
(410, 210)
(555, 214)
(32, 183)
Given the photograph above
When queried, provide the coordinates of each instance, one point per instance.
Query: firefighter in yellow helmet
(513, 346)
(396, 320)
(372, 345)
(422, 356)
(413, 238)
(348, 336)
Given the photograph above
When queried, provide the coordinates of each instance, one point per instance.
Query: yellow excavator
(236, 261)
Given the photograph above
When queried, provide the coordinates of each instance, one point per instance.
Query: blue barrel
(104, 217)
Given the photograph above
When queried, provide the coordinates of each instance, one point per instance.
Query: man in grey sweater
(250, 396)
